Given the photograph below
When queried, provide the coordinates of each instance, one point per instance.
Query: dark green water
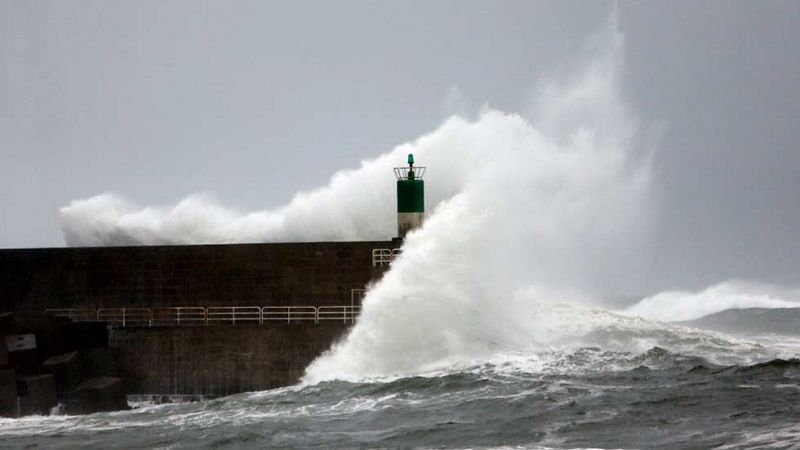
(585, 398)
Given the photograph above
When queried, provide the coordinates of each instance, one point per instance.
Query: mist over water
(676, 306)
(558, 203)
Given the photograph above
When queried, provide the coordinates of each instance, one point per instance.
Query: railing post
(171, 316)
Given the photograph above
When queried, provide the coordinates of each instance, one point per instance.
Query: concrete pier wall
(214, 361)
(32, 280)
(193, 360)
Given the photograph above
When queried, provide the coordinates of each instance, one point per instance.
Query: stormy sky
(254, 101)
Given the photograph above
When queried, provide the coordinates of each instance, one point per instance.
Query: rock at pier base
(37, 394)
(98, 395)
(8, 393)
(101, 362)
(3, 352)
(66, 368)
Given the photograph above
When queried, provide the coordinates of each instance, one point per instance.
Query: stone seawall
(321, 273)
(221, 360)
(217, 359)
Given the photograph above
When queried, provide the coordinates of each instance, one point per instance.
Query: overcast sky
(253, 101)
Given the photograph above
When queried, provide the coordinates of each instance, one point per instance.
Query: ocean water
(583, 397)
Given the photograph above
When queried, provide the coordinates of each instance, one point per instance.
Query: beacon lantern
(410, 197)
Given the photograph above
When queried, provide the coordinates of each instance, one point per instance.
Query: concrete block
(66, 368)
(68, 337)
(25, 362)
(22, 353)
(37, 394)
(86, 335)
(8, 393)
(8, 325)
(100, 394)
(101, 362)
(3, 354)
(20, 342)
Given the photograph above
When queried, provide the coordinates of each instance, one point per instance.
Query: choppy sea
(586, 397)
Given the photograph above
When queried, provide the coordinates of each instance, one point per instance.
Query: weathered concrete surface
(8, 324)
(186, 360)
(66, 369)
(3, 353)
(101, 362)
(323, 273)
(8, 393)
(59, 335)
(25, 362)
(98, 395)
(37, 394)
(220, 360)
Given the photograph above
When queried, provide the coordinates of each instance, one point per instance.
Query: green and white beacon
(410, 197)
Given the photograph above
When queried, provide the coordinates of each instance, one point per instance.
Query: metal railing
(212, 315)
(346, 314)
(179, 315)
(289, 313)
(75, 315)
(126, 316)
(402, 173)
(384, 256)
(232, 314)
(357, 296)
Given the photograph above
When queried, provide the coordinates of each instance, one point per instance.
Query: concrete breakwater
(89, 363)
(215, 361)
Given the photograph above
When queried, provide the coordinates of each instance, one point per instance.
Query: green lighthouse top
(410, 172)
